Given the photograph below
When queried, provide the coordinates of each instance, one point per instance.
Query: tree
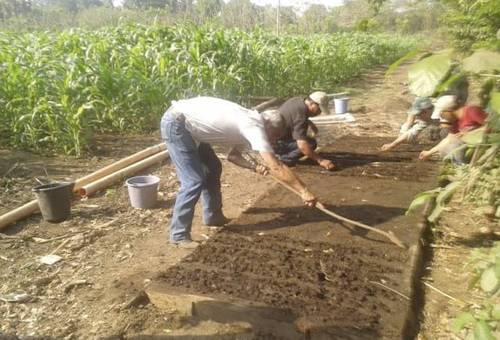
(473, 22)
(240, 13)
(288, 16)
(73, 5)
(316, 19)
(11, 8)
(208, 8)
(146, 4)
(348, 14)
(376, 5)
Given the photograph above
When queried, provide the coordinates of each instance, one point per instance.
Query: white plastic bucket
(340, 105)
(143, 191)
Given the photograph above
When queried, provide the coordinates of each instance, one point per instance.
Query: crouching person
(189, 128)
(295, 143)
(419, 118)
(460, 119)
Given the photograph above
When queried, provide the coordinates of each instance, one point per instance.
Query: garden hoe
(389, 234)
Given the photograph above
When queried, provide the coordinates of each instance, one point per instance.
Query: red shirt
(472, 118)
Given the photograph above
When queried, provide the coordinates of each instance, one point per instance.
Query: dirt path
(112, 252)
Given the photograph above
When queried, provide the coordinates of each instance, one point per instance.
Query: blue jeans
(288, 151)
(198, 169)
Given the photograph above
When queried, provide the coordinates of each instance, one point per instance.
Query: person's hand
(424, 155)
(308, 198)
(261, 170)
(386, 147)
(327, 164)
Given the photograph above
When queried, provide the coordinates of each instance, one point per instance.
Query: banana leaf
(426, 75)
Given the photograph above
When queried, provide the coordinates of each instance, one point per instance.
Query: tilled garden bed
(294, 272)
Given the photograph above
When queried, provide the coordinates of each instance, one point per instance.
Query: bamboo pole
(119, 165)
(104, 182)
(32, 207)
(18, 213)
(267, 104)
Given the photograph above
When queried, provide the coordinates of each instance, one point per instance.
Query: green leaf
(495, 101)
(495, 312)
(398, 62)
(493, 138)
(435, 214)
(488, 153)
(421, 199)
(474, 137)
(451, 82)
(448, 191)
(461, 321)
(483, 314)
(482, 61)
(425, 75)
(490, 282)
(482, 331)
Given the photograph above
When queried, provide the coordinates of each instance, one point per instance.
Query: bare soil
(277, 252)
(297, 259)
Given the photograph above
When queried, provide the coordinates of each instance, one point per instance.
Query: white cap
(444, 103)
(321, 98)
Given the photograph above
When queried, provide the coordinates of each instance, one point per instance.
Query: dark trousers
(288, 152)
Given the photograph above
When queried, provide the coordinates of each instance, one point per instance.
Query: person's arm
(234, 156)
(299, 133)
(306, 149)
(408, 123)
(283, 173)
(389, 146)
(443, 144)
(426, 154)
(409, 135)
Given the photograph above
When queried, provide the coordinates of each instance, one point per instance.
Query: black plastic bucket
(54, 200)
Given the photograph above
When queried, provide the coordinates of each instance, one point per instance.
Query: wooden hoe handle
(390, 235)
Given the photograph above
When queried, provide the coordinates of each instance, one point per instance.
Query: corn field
(58, 88)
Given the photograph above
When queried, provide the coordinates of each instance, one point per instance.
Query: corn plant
(57, 89)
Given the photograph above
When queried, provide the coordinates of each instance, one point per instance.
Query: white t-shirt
(218, 121)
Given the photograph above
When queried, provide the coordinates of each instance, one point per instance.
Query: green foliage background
(473, 23)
